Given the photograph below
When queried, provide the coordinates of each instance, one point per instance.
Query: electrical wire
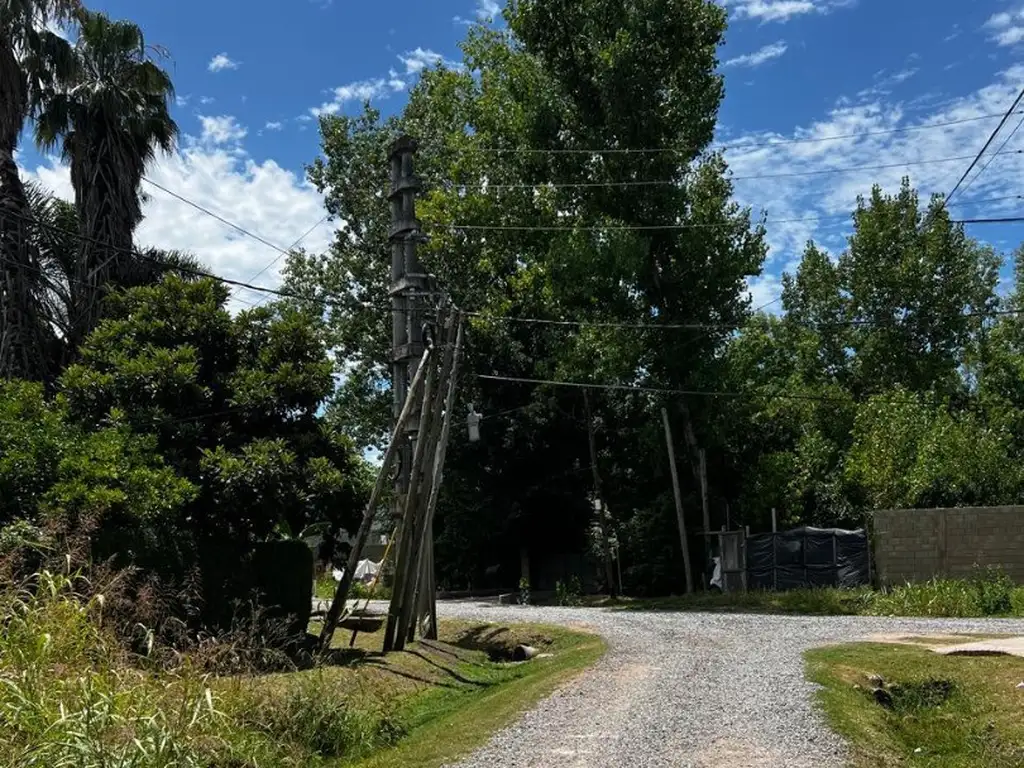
(291, 247)
(724, 147)
(187, 270)
(486, 187)
(237, 227)
(994, 155)
(671, 390)
(1009, 112)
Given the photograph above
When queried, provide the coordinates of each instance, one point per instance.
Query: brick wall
(917, 544)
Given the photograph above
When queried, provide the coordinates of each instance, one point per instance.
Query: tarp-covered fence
(808, 557)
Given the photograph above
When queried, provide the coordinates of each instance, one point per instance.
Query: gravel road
(687, 689)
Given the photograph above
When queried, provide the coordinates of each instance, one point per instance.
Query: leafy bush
(988, 593)
(568, 594)
(524, 591)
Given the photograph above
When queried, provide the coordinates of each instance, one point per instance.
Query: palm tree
(32, 57)
(110, 117)
(53, 237)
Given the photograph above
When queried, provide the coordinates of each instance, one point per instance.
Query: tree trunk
(22, 341)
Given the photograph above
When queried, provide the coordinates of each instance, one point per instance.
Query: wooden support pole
(341, 593)
(683, 540)
(403, 574)
(599, 503)
(435, 486)
(423, 483)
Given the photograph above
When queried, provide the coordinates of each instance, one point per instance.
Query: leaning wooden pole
(406, 626)
(683, 540)
(406, 537)
(444, 403)
(435, 486)
(341, 593)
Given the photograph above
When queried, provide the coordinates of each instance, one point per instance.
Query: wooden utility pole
(341, 593)
(599, 503)
(683, 541)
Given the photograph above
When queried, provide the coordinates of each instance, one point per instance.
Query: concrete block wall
(918, 544)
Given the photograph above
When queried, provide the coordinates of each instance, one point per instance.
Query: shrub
(524, 591)
(568, 593)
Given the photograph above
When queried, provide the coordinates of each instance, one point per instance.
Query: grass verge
(927, 710)
(71, 694)
(989, 593)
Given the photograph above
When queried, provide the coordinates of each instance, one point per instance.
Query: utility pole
(599, 504)
(683, 540)
(408, 284)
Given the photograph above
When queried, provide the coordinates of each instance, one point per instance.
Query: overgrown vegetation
(71, 694)
(903, 705)
(988, 593)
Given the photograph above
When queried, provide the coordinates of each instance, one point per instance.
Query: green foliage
(311, 717)
(562, 76)
(568, 593)
(524, 591)
(54, 475)
(911, 452)
(988, 592)
(231, 403)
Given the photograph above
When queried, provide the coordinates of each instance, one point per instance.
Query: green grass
(70, 694)
(987, 594)
(446, 723)
(940, 711)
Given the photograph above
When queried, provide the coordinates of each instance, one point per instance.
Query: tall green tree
(545, 200)
(905, 308)
(110, 116)
(31, 57)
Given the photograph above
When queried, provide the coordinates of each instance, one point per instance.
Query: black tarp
(808, 557)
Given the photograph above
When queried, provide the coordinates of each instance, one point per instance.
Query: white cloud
(418, 60)
(274, 126)
(222, 61)
(759, 57)
(182, 101)
(782, 10)
(204, 100)
(487, 9)
(221, 130)
(360, 91)
(263, 198)
(803, 203)
(1006, 27)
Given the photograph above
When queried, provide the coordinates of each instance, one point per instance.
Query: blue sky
(250, 79)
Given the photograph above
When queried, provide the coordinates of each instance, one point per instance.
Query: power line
(221, 219)
(697, 326)
(291, 247)
(654, 227)
(994, 155)
(674, 391)
(486, 187)
(183, 269)
(1007, 220)
(991, 138)
(724, 147)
